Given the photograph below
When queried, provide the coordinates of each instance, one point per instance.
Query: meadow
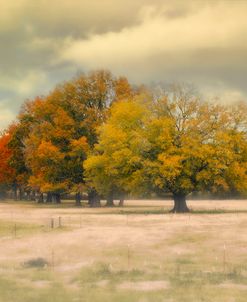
(137, 253)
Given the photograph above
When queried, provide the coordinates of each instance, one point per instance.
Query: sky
(43, 43)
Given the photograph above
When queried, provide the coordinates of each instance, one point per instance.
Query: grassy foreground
(112, 257)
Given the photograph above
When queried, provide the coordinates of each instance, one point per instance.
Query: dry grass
(124, 255)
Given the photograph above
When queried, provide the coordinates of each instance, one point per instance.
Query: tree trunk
(27, 197)
(15, 192)
(109, 200)
(32, 196)
(2, 195)
(121, 202)
(21, 193)
(41, 198)
(93, 199)
(78, 199)
(49, 197)
(180, 205)
(57, 197)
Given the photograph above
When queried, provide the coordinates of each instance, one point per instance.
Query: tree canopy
(54, 133)
(177, 144)
(98, 134)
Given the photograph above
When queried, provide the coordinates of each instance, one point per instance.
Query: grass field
(136, 253)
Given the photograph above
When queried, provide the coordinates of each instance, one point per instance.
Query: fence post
(224, 258)
(128, 258)
(59, 222)
(52, 259)
(15, 230)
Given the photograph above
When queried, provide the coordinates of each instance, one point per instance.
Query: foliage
(176, 144)
(98, 132)
(7, 173)
(66, 129)
(115, 159)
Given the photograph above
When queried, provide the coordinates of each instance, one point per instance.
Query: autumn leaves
(53, 135)
(97, 134)
(177, 144)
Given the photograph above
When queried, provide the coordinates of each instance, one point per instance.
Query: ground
(139, 252)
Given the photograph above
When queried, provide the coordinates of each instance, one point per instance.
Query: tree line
(98, 135)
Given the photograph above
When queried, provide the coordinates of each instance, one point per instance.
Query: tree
(55, 150)
(65, 129)
(7, 173)
(177, 144)
(112, 165)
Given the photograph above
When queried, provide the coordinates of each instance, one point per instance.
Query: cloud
(206, 30)
(6, 117)
(27, 84)
(200, 43)
(45, 42)
(75, 17)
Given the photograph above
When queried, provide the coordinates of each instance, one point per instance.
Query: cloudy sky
(45, 42)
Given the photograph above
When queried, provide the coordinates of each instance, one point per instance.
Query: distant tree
(25, 121)
(177, 144)
(7, 173)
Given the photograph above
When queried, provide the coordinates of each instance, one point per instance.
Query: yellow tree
(204, 148)
(177, 144)
(112, 164)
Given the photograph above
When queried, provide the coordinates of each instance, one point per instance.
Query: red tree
(7, 173)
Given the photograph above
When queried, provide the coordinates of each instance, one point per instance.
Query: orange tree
(7, 173)
(17, 144)
(65, 128)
